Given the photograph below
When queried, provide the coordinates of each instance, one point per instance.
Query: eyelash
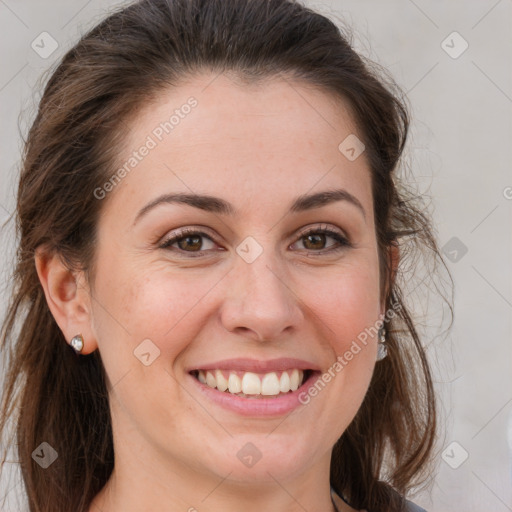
(342, 241)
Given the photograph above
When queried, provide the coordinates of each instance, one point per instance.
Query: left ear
(68, 298)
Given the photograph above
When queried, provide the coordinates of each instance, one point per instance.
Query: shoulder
(341, 504)
(412, 507)
(409, 507)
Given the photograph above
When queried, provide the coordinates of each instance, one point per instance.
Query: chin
(251, 458)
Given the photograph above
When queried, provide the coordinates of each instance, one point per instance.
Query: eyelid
(342, 239)
(168, 240)
(188, 230)
(322, 228)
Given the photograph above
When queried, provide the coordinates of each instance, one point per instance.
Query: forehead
(241, 141)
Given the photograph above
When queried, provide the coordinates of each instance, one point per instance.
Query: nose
(260, 304)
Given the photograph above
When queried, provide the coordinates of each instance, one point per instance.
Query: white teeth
(294, 380)
(284, 382)
(270, 384)
(222, 383)
(234, 383)
(251, 383)
(210, 380)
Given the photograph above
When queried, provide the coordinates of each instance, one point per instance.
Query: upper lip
(257, 366)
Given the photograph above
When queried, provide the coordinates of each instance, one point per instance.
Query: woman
(208, 293)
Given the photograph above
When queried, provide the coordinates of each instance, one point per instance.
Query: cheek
(346, 301)
(346, 313)
(165, 307)
(345, 307)
(133, 307)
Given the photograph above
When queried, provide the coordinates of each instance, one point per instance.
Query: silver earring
(382, 350)
(77, 343)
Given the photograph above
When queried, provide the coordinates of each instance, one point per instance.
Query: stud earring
(382, 350)
(77, 343)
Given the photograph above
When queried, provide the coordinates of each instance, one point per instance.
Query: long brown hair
(51, 395)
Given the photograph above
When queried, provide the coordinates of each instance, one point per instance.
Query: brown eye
(317, 240)
(314, 241)
(192, 243)
(189, 242)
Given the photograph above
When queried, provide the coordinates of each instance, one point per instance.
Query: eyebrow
(217, 205)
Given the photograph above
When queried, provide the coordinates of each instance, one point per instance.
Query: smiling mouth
(253, 385)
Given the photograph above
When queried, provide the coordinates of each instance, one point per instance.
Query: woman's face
(254, 285)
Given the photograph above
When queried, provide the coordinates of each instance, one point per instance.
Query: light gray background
(460, 153)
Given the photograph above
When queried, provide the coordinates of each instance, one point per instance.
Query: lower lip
(283, 404)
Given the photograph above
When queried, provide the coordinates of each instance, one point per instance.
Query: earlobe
(68, 301)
